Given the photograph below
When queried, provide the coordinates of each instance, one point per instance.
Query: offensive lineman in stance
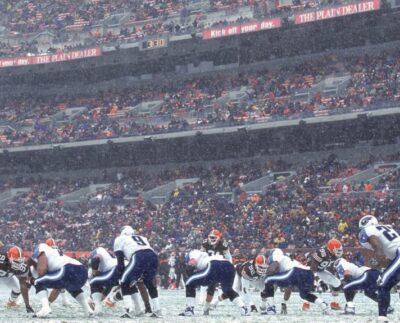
(207, 271)
(58, 272)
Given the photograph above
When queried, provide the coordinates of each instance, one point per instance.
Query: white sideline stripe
(55, 276)
(279, 276)
(199, 275)
(102, 278)
(389, 271)
(359, 280)
(127, 270)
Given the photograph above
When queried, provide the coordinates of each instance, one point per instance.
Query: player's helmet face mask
(260, 263)
(367, 221)
(14, 254)
(335, 248)
(214, 237)
(127, 230)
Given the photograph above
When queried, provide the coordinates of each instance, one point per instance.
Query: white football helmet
(127, 230)
(366, 221)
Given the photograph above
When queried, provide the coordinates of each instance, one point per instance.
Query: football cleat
(349, 309)
(139, 313)
(325, 308)
(253, 308)
(382, 319)
(126, 315)
(189, 311)
(271, 310)
(108, 303)
(11, 304)
(305, 307)
(335, 306)
(244, 311)
(44, 312)
(156, 314)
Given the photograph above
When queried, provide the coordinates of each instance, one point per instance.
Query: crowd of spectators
(200, 102)
(292, 213)
(30, 16)
(141, 18)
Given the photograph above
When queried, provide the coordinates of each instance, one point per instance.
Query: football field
(173, 302)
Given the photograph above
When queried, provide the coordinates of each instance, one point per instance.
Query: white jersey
(344, 267)
(388, 238)
(131, 244)
(203, 259)
(285, 263)
(106, 261)
(54, 260)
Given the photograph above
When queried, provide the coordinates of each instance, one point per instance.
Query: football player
(285, 272)
(210, 270)
(249, 274)
(55, 292)
(102, 274)
(143, 263)
(356, 278)
(58, 272)
(385, 242)
(320, 260)
(14, 268)
(215, 244)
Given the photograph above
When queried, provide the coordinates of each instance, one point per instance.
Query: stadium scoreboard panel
(154, 43)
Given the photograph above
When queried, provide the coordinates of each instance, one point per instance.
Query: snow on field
(173, 301)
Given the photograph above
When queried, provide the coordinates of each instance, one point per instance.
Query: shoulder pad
(363, 236)
(3, 258)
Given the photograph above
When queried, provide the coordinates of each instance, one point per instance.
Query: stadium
(252, 130)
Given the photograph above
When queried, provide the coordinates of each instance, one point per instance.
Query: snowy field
(172, 302)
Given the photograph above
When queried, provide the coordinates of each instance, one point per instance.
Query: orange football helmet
(335, 248)
(260, 263)
(214, 236)
(14, 253)
(51, 242)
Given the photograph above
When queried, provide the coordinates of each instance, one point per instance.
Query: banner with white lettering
(340, 11)
(52, 58)
(246, 27)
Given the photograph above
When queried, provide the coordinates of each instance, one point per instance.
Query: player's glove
(263, 294)
(324, 287)
(189, 270)
(283, 308)
(29, 309)
(379, 280)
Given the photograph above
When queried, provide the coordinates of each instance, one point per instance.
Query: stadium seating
(211, 101)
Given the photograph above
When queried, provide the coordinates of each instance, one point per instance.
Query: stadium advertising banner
(340, 11)
(246, 27)
(53, 58)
